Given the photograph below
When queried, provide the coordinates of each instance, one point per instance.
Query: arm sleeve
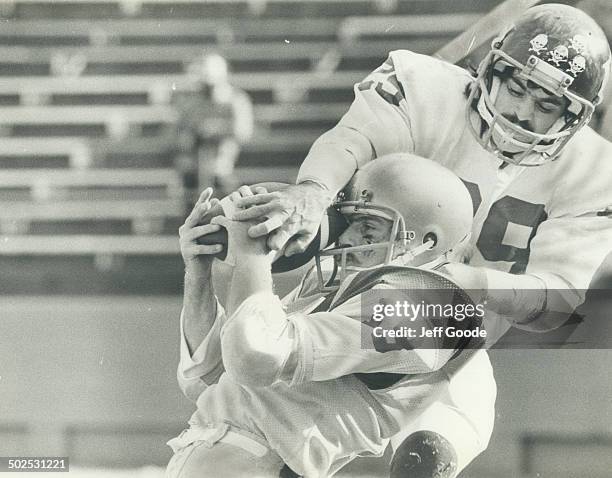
(338, 343)
(262, 345)
(574, 248)
(376, 123)
(566, 254)
(257, 341)
(203, 368)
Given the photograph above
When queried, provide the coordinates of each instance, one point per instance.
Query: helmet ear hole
(431, 236)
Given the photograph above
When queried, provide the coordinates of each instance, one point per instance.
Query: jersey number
(388, 88)
(504, 213)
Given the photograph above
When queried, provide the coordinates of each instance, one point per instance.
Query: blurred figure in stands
(215, 119)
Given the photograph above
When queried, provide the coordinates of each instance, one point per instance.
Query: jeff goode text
(424, 332)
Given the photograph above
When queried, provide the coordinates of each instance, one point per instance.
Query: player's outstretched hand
(196, 255)
(292, 214)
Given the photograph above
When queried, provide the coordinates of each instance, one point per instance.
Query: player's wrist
(317, 195)
(254, 259)
(519, 298)
(196, 268)
(314, 184)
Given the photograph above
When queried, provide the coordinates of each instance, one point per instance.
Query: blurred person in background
(215, 119)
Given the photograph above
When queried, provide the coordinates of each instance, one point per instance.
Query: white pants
(219, 452)
(464, 414)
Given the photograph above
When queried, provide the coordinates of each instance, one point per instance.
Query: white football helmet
(429, 206)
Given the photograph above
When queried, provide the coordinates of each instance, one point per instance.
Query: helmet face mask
(509, 141)
(559, 49)
(394, 245)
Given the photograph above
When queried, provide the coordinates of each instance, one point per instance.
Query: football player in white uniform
(298, 383)
(539, 232)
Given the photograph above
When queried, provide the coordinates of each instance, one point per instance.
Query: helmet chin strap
(411, 254)
(408, 257)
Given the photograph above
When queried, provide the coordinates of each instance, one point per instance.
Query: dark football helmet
(560, 49)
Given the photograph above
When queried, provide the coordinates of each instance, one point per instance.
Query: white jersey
(546, 220)
(327, 415)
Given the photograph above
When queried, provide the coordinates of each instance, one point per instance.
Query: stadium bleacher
(86, 139)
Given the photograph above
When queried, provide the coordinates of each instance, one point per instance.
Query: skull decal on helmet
(538, 44)
(577, 65)
(578, 44)
(559, 54)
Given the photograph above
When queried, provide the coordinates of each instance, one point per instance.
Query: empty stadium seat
(87, 130)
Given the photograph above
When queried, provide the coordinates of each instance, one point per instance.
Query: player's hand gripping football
(199, 257)
(292, 216)
(239, 245)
